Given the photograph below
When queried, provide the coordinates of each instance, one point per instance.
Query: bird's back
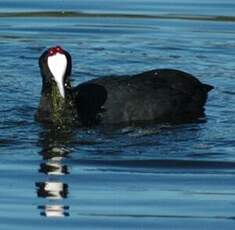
(157, 95)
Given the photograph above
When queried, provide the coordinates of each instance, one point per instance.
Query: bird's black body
(161, 95)
(157, 95)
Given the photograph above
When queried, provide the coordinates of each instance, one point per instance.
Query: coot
(160, 95)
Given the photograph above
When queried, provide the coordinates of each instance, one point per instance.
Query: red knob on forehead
(51, 51)
(55, 50)
(58, 48)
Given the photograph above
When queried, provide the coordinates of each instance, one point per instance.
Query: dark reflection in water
(53, 189)
(53, 168)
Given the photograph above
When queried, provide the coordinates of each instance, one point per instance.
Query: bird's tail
(208, 87)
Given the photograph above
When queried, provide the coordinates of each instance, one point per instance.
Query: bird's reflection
(54, 152)
(54, 210)
(52, 190)
(52, 161)
(53, 168)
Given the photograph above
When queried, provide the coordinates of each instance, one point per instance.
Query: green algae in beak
(58, 106)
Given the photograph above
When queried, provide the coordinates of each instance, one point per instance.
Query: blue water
(192, 7)
(147, 177)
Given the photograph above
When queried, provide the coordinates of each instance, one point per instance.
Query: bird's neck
(54, 108)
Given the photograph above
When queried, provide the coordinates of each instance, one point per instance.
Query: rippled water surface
(147, 177)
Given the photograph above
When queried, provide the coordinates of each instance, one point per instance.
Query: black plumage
(160, 95)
